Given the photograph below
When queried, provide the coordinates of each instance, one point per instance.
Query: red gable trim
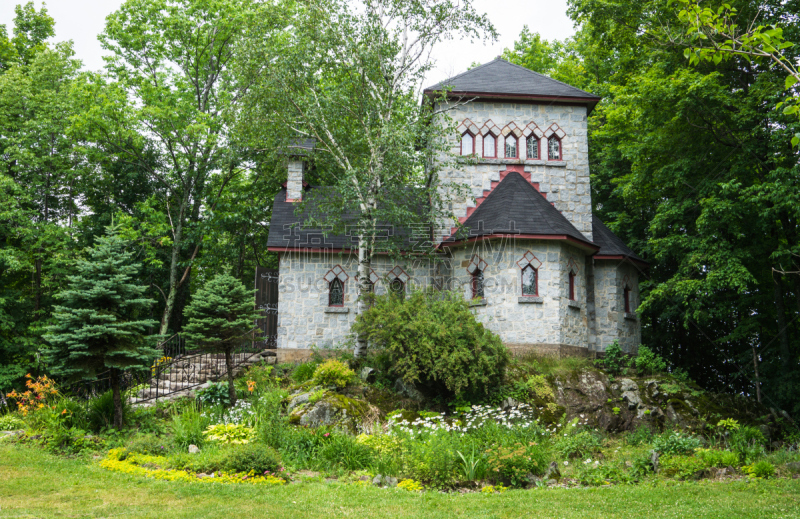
(557, 237)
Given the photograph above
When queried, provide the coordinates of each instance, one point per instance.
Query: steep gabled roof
(515, 207)
(499, 78)
(610, 244)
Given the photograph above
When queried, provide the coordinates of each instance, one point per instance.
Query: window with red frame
(572, 286)
(511, 146)
(553, 148)
(533, 147)
(530, 281)
(489, 146)
(336, 293)
(477, 284)
(467, 144)
(626, 297)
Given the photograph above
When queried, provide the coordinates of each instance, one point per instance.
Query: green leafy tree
(31, 29)
(100, 327)
(220, 317)
(349, 76)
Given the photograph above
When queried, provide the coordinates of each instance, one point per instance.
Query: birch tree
(350, 76)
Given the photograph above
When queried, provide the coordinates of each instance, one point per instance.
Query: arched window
(467, 144)
(336, 292)
(489, 146)
(396, 282)
(626, 297)
(533, 147)
(530, 281)
(511, 146)
(553, 148)
(397, 287)
(571, 285)
(477, 284)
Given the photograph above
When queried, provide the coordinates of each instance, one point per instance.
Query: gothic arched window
(467, 144)
(530, 281)
(626, 297)
(572, 286)
(489, 146)
(533, 147)
(336, 293)
(553, 148)
(511, 146)
(477, 284)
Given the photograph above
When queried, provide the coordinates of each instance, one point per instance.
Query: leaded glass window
(553, 148)
(467, 144)
(511, 147)
(489, 145)
(336, 293)
(530, 285)
(533, 147)
(477, 284)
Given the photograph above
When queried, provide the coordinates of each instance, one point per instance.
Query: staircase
(180, 376)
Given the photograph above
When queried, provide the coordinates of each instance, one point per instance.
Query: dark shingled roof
(515, 207)
(499, 77)
(610, 244)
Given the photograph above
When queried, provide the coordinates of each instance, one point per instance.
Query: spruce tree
(220, 317)
(101, 325)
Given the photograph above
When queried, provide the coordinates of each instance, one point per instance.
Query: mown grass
(36, 484)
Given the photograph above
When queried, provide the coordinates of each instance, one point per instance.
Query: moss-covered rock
(331, 409)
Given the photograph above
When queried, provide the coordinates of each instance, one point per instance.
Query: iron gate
(267, 302)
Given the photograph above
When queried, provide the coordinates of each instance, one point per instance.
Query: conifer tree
(101, 325)
(220, 317)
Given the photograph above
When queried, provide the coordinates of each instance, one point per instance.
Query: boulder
(407, 389)
(332, 409)
(193, 449)
(630, 393)
(552, 472)
(368, 374)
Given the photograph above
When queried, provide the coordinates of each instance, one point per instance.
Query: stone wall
(611, 321)
(304, 317)
(294, 183)
(551, 318)
(566, 182)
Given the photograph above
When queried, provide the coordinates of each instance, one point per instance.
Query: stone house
(540, 269)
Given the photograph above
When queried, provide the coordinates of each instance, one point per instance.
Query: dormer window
(553, 148)
(533, 147)
(489, 146)
(511, 146)
(467, 144)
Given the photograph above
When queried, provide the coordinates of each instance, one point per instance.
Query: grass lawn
(36, 484)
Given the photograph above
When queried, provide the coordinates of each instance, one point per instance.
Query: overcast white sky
(82, 20)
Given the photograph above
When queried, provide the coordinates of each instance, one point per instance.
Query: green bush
(511, 464)
(148, 444)
(614, 359)
(343, 451)
(188, 427)
(433, 460)
(230, 458)
(592, 474)
(304, 372)
(681, 467)
(10, 422)
(760, 469)
(229, 433)
(718, 458)
(579, 445)
(640, 436)
(674, 443)
(215, 394)
(432, 338)
(648, 362)
(333, 373)
(748, 442)
(100, 412)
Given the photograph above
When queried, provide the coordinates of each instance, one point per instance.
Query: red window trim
(483, 147)
(516, 156)
(572, 286)
(461, 144)
(329, 293)
(538, 148)
(522, 274)
(560, 148)
(626, 297)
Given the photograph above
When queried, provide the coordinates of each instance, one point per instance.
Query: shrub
(682, 467)
(215, 394)
(760, 469)
(718, 458)
(579, 445)
(596, 474)
(433, 459)
(647, 361)
(641, 435)
(748, 442)
(148, 444)
(513, 463)
(231, 458)
(188, 427)
(225, 434)
(333, 373)
(11, 422)
(304, 372)
(100, 413)
(674, 443)
(434, 339)
(614, 359)
(343, 451)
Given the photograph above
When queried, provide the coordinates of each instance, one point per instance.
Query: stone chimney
(294, 184)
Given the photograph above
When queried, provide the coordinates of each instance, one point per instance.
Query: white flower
(566, 463)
